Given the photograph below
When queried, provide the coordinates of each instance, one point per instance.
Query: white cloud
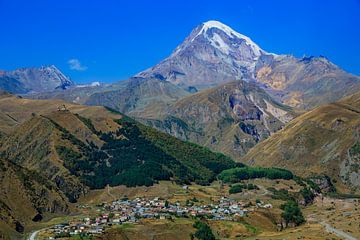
(75, 64)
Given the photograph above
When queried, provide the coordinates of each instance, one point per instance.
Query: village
(132, 211)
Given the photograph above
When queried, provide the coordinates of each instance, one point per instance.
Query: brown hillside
(322, 141)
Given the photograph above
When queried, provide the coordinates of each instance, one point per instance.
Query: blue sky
(112, 40)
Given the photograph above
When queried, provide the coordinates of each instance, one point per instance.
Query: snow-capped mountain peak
(212, 54)
(229, 32)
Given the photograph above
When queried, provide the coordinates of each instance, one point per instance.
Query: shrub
(239, 187)
(292, 213)
(281, 194)
(243, 173)
(236, 189)
(203, 231)
(308, 195)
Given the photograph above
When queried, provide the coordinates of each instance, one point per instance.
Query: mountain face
(212, 55)
(230, 118)
(306, 82)
(53, 152)
(27, 80)
(325, 140)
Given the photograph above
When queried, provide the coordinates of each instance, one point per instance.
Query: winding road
(337, 232)
(33, 235)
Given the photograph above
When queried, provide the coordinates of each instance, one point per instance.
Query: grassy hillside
(322, 141)
(26, 196)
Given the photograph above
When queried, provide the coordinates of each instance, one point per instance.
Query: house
(116, 220)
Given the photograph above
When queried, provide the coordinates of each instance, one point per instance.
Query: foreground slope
(323, 141)
(26, 197)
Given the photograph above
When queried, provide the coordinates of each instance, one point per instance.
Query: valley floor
(327, 218)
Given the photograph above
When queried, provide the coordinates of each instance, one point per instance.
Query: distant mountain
(28, 80)
(61, 150)
(139, 97)
(325, 140)
(230, 118)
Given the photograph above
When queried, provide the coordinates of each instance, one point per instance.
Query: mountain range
(217, 91)
(226, 67)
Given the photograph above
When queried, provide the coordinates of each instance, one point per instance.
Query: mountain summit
(216, 33)
(212, 54)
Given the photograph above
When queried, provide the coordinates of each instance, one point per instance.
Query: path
(33, 235)
(337, 232)
(109, 193)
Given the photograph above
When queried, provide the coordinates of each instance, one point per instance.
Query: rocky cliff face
(26, 80)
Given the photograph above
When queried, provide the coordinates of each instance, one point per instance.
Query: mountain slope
(76, 148)
(305, 83)
(322, 141)
(42, 79)
(230, 118)
(26, 197)
(48, 137)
